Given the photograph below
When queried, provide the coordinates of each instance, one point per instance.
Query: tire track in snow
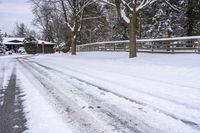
(118, 120)
(66, 105)
(188, 122)
(2, 71)
(172, 100)
(12, 119)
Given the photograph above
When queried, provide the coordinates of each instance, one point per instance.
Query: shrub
(30, 45)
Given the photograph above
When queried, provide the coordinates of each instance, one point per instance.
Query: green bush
(30, 45)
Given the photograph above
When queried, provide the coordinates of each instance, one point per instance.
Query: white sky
(12, 11)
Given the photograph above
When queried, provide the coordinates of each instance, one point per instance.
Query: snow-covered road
(106, 92)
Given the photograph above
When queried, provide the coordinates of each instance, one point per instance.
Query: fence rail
(164, 45)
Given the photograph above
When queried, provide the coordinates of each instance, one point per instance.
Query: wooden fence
(164, 45)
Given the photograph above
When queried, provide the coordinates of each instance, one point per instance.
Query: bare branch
(172, 6)
(109, 3)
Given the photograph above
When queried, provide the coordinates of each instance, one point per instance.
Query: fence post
(124, 46)
(172, 44)
(198, 47)
(152, 48)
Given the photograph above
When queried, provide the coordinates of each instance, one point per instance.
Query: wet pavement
(12, 117)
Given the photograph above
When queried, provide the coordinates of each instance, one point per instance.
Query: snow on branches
(126, 8)
(128, 11)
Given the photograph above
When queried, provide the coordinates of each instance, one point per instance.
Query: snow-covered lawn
(151, 93)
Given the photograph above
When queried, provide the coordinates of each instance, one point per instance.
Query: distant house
(14, 43)
(48, 47)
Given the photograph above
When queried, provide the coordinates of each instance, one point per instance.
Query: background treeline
(98, 20)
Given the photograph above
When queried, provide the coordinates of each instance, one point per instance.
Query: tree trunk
(73, 44)
(66, 21)
(75, 30)
(190, 18)
(132, 36)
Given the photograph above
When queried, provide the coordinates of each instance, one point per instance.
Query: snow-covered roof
(45, 42)
(19, 41)
(13, 41)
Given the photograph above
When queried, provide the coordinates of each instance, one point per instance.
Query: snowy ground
(107, 92)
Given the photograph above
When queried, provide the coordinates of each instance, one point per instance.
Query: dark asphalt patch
(12, 117)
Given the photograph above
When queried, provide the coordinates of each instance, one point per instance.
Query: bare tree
(128, 11)
(96, 25)
(63, 19)
(20, 30)
(44, 12)
(73, 11)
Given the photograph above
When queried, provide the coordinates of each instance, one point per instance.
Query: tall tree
(95, 25)
(160, 20)
(44, 13)
(2, 46)
(73, 11)
(193, 13)
(20, 30)
(128, 11)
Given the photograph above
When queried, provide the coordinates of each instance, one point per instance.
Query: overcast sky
(12, 11)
